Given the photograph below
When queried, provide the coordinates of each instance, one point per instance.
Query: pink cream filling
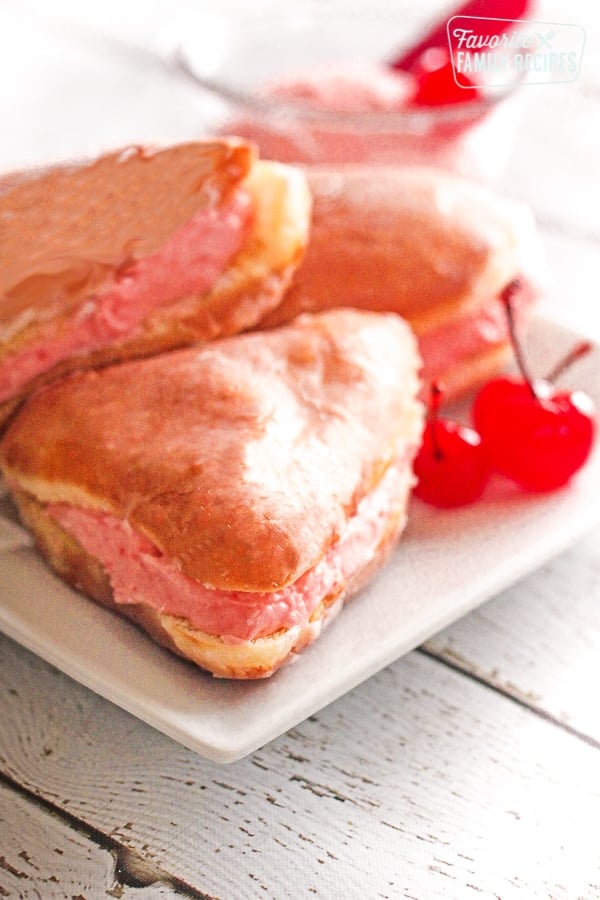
(471, 334)
(140, 573)
(189, 263)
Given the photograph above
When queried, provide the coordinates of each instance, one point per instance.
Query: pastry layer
(434, 247)
(190, 262)
(139, 252)
(478, 335)
(424, 243)
(226, 497)
(65, 228)
(243, 459)
(140, 573)
(240, 659)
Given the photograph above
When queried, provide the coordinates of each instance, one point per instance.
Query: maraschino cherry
(534, 433)
(451, 466)
(494, 17)
(435, 81)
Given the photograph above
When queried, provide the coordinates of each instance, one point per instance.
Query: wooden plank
(44, 856)
(540, 640)
(419, 783)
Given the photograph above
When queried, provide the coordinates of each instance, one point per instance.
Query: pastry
(230, 496)
(434, 247)
(139, 251)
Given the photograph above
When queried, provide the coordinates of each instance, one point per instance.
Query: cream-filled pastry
(139, 251)
(227, 497)
(433, 247)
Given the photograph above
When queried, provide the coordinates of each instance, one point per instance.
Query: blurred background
(79, 77)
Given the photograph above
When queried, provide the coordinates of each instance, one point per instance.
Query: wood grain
(371, 796)
(45, 856)
(539, 642)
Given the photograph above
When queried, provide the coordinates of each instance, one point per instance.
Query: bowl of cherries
(524, 429)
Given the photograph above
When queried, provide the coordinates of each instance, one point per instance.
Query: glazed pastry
(140, 251)
(229, 497)
(434, 247)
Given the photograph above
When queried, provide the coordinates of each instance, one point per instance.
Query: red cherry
(451, 466)
(533, 433)
(436, 81)
(538, 441)
(494, 18)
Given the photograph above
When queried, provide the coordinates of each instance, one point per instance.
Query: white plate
(446, 564)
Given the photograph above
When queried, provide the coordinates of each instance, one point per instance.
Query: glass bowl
(232, 60)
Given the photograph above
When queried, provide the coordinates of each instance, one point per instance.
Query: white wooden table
(468, 769)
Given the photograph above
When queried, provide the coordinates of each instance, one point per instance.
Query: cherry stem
(436, 394)
(579, 350)
(507, 299)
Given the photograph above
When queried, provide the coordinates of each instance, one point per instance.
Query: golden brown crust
(242, 459)
(7, 409)
(195, 174)
(423, 243)
(62, 550)
(253, 659)
(64, 230)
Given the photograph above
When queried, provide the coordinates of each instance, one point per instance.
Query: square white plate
(447, 564)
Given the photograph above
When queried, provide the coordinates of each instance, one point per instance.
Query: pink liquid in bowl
(361, 113)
